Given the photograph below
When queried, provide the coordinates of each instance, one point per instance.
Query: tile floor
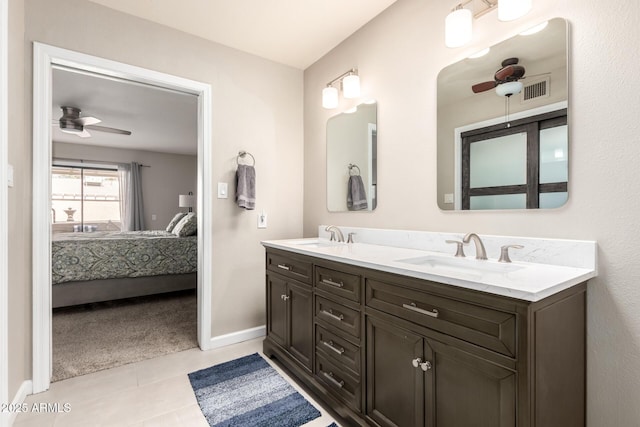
(151, 393)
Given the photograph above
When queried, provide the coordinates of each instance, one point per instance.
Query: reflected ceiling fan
(72, 123)
(505, 80)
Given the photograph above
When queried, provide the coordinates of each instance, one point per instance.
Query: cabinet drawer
(335, 348)
(492, 329)
(296, 268)
(338, 315)
(338, 282)
(339, 383)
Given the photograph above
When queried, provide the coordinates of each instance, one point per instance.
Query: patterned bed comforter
(109, 255)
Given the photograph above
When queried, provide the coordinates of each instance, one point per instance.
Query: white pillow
(174, 221)
(187, 226)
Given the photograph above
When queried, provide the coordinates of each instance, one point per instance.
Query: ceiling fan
(71, 122)
(509, 74)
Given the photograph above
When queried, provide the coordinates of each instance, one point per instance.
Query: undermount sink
(467, 265)
(317, 243)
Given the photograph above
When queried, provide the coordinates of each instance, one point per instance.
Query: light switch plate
(223, 192)
(262, 220)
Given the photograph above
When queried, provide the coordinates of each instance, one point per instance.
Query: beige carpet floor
(99, 336)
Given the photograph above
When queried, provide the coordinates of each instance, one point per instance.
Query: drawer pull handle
(284, 267)
(335, 382)
(329, 313)
(331, 347)
(332, 283)
(412, 307)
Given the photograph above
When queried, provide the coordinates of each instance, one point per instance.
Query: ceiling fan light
(458, 28)
(509, 88)
(351, 86)
(330, 97)
(508, 10)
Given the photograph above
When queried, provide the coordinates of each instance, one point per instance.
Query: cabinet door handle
(412, 307)
(417, 362)
(332, 283)
(331, 347)
(284, 297)
(329, 376)
(284, 267)
(329, 313)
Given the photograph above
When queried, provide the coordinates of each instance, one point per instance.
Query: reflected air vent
(535, 90)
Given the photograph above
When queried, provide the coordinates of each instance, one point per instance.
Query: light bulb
(458, 28)
(351, 86)
(330, 97)
(508, 10)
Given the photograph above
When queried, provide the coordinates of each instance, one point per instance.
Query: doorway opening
(46, 58)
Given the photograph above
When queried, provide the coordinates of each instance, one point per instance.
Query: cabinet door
(395, 388)
(468, 390)
(300, 323)
(276, 309)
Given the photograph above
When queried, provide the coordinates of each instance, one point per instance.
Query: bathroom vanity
(397, 336)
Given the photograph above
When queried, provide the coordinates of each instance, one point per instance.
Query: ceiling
(292, 32)
(159, 119)
(539, 53)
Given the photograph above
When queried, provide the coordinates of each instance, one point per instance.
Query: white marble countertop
(521, 280)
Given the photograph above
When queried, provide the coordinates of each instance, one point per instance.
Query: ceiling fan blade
(483, 87)
(84, 134)
(109, 130)
(511, 72)
(84, 121)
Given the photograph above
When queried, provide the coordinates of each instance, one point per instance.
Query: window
(85, 198)
(516, 167)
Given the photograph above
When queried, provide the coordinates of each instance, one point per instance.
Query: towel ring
(351, 166)
(242, 154)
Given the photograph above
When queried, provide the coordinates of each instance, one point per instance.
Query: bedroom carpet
(99, 336)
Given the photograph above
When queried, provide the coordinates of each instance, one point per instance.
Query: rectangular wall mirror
(351, 159)
(502, 124)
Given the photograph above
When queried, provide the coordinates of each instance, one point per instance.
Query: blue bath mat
(249, 392)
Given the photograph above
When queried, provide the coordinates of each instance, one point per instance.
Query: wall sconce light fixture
(350, 84)
(458, 25)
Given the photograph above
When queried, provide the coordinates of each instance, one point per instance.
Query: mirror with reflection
(502, 125)
(351, 159)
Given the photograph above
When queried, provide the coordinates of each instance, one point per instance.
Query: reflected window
(522, 164)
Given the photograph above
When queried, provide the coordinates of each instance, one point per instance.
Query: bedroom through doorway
(124, 232)
(122, 152)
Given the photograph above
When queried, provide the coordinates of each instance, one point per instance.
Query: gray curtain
(131, 206)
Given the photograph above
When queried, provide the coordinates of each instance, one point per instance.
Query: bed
(103, 266)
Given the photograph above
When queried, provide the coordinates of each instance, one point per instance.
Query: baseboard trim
(25, 389)
(236, 337)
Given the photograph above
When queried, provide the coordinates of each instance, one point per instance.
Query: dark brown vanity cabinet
(413, 380)
(383, 349)
(290, 310)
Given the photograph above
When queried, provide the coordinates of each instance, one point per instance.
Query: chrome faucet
(481, 252)
(335, 231)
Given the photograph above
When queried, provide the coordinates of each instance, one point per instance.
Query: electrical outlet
(154, 217)
(448, 197)
(262, 220)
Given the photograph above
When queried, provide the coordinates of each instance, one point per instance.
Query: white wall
(160, 190)
(257, 106)
(399, 55)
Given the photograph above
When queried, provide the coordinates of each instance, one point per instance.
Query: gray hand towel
(356, 196)
(246, 187)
